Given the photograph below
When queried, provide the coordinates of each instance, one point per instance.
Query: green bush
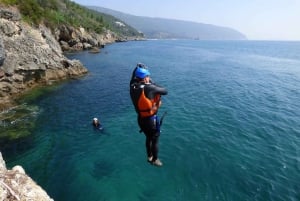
(57, 12)
(31, 10)
(9, 2)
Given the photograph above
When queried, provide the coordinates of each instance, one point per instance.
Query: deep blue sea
(232, 131)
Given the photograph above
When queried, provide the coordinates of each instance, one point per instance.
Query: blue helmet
(141, 73)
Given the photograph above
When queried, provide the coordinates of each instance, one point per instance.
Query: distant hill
(168, 28)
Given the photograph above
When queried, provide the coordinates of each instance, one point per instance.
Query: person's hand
(159, 103)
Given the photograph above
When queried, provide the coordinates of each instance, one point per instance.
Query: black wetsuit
(149, 125)
(97, 125)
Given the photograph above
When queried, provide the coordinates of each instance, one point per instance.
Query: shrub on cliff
(9, 2)
(31, 10)
(55, 12)
(65, 12)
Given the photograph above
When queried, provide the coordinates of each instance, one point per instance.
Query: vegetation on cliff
(54, 13)
(54, 26)
(31, 54)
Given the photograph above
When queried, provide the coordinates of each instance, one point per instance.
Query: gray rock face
(10, 14)
(29, 57)
(72, 39)
(2, 163)
(2, 53)
(33, 56)
(16, 185)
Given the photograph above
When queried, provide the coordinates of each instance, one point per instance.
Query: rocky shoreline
(30, 57)
(16, 185)
(33, 56)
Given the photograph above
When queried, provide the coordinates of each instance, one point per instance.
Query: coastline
(34, 56)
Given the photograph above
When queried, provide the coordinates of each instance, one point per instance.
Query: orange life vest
(146, 106)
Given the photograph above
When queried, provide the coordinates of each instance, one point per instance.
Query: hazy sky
(257, 19)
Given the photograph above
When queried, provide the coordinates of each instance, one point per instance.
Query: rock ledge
(16, 185)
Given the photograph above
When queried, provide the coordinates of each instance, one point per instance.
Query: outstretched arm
(152, 89)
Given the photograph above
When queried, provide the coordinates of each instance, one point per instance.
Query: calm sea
(232, 131)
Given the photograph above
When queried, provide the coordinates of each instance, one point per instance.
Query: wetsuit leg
(154, 146)
(148, 146)
(148, 126)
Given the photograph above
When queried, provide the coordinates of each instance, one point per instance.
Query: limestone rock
(28, 55)
(31, 56)
(2, 53)
(72, 39)
(2, 164)
(94, 50)
(10, 14)
(16, 185)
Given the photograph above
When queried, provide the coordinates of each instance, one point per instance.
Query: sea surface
(232, 130)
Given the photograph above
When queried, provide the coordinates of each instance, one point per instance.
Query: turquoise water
(232, 131)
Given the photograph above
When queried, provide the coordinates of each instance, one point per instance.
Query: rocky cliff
(31, 56)
(16, 185)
